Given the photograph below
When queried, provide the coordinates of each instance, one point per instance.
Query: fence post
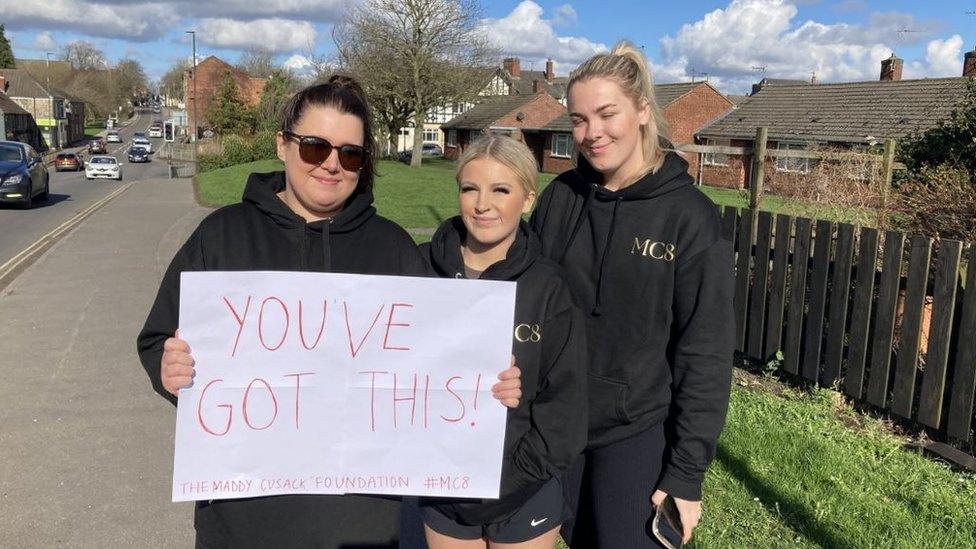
(758, 168)
(887, 168)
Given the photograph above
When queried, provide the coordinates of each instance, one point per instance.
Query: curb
(12, 268)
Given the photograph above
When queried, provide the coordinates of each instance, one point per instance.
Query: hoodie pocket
(607, 397)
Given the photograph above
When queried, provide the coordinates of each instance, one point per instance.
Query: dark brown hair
(346, 95)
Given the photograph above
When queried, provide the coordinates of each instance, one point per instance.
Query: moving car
(97, 147)
(138, 154)
(142, 142)
(113, 137)
(23, 175)
(68, 161)
(103, 165)
(155, 131)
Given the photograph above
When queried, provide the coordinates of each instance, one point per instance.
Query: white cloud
(275, 35)
(565, 16)
(133, 22)
(298, 63)
(299, 10)
(44, 42)
(728, 43)
(524, 33)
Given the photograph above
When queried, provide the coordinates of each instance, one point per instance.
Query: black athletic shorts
(542, 512)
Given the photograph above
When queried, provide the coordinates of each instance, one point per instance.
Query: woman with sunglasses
(643, 251)
(316, 215)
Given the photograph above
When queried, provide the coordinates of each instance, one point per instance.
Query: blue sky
(839, 40)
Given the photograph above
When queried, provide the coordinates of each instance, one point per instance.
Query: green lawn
(793, 469)
(92, 129)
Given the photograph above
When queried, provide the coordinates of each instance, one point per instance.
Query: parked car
(105, 166)
(97, 147)
(142, 142)
(155, 131)
(113, 137)
(23, 175)
(68, 161)
(138, 154)
(430, 150)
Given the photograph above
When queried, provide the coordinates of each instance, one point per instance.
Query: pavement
(86, 446)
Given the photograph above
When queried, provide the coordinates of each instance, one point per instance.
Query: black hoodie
(547, 431)
(262, 233)
(653, 274)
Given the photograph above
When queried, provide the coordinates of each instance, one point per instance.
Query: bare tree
(84, 56)
(414, 55)
(171, 84)
(257, 62)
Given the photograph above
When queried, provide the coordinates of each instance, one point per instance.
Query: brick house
(523, 117)
(849, 115)
(59, 117)
(507, 80)
(210, 74)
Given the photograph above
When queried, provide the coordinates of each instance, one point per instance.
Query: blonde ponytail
(627, 66)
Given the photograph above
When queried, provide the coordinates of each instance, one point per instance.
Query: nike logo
(535, 523)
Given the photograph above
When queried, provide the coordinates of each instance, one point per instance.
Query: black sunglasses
(316, 150)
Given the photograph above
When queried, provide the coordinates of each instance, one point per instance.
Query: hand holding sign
(176, 365)
(328, 383)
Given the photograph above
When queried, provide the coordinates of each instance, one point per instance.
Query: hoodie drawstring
(326, 247)
(579, 223)
(597, 311)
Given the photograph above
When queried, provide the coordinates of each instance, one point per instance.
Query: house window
(561, 145)
(795, 165)
(714, 158)
(452, 138)
(432, 135)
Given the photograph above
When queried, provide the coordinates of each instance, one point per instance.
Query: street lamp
(193, 75)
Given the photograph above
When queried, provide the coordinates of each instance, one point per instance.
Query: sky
(732, 43)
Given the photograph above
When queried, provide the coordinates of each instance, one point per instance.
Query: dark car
(97, 147)
(429, 150)
(23, 175)
(68, 161)
(138, 154)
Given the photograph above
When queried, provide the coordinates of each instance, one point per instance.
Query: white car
(142, 142)
(155, 131)
(113, 137)
(103, 165)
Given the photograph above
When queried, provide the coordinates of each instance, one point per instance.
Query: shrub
(264, 146)
(938, 201)
(237, 150)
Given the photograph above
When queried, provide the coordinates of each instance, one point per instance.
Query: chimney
(549, 73)
(513, 67)
(969, 66)
(891, 69)
(537, 87)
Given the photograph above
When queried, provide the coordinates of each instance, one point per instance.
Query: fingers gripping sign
(176, 365)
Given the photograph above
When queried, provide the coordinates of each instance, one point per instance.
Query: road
(71, 193)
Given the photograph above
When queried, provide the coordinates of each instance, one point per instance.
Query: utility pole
(47, 67)
(193, 75)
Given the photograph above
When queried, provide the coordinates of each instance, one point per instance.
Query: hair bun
(345, 81)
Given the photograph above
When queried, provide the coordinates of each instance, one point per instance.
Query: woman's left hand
(690, 512)
(509, 389)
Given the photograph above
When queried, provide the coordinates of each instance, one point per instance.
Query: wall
(691, 112)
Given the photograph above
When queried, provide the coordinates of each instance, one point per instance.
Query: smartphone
(667, 524)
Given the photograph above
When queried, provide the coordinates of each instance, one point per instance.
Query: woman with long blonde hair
(644, 254)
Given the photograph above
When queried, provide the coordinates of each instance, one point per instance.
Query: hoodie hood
(262, 191)
(671, 176)
(445, 252)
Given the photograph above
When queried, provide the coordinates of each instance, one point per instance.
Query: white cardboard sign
(323, 383)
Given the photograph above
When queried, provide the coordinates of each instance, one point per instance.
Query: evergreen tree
(6, 51)
(228, 114)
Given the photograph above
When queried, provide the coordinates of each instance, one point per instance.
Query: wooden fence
(894, 332)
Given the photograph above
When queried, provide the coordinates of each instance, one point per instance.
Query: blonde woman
(496, 184)
(647, 263)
